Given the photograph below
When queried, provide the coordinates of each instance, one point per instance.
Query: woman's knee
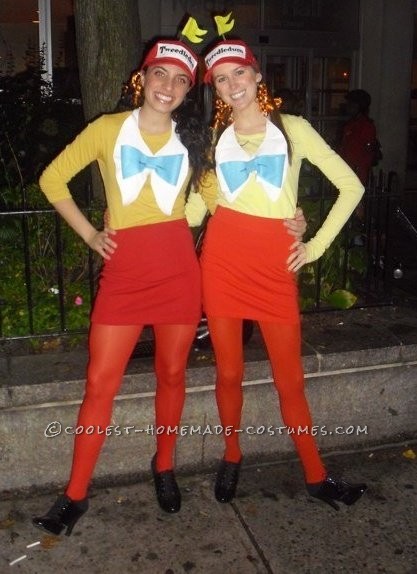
(170, 375)
(290, 387)
(230, 377)
(101, 385)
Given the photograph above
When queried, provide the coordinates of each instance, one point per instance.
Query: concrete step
(361, 373)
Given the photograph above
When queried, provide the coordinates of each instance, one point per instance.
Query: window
(19, 34)
(30, 27)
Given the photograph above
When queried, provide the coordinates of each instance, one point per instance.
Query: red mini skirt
(244, 269)
(152, 278)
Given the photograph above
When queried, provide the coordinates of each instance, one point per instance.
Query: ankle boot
(332, 489)
(63, 513)
(226, 480)
(166, 488)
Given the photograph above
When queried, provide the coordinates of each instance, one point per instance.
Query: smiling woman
(249, 261)
(147, 157)
(165, 87)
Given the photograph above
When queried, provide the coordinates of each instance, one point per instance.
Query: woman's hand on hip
(297, 225)
(102, 242)
(297, 257)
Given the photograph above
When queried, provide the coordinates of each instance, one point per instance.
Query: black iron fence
(358, 268)
(392, 221)
(49, 276)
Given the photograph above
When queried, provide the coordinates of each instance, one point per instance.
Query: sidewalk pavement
(272, 526)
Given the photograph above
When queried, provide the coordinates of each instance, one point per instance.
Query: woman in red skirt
(249, 261)
(151, 274)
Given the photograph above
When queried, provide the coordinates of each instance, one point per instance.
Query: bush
(50, 274)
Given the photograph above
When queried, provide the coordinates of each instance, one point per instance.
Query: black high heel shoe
(63, 513)
(226, 480)
(166, 488)
(332, 489)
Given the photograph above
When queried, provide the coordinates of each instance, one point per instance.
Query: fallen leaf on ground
(409, 454)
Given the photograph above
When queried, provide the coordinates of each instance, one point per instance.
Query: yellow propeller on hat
(224, 24)
(192, 31)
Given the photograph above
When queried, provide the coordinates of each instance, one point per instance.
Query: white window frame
(45, 36)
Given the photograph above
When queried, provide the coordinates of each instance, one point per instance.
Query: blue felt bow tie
(268, 167)
(133, 161)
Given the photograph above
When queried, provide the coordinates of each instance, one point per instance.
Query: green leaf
(341, 299)
(357, 259)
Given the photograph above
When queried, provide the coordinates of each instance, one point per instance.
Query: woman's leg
(283, 343)
(110, 348)
(226, 337)
(173, 343)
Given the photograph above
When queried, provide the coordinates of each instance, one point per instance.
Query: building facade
(319, 49)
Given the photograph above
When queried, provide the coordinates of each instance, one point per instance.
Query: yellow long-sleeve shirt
(306, 143)
(97, 142)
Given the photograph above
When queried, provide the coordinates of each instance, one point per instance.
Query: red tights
(283, 343)
(110, 348)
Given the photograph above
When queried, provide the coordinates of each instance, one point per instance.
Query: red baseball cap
(229, 51)
(173, 52)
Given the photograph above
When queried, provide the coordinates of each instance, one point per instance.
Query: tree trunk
(108, 48)
(108, 43)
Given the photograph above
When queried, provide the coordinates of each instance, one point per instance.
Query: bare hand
(103, 243)
(296, 226)
(297, 257)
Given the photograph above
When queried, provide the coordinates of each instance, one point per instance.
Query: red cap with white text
(173, 52)
(229, 51)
